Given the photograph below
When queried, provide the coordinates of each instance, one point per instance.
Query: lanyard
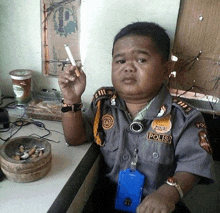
(134, 160)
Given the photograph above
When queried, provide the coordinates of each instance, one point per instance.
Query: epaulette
(185, 107)
(103, 93)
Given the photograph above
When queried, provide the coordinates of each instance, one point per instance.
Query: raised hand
(71, 85)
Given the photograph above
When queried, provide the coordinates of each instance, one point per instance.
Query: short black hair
(152, 30)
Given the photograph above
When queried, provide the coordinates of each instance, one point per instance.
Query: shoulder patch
(103, 93)
(204, 142)
(201, 125)
(186, 108)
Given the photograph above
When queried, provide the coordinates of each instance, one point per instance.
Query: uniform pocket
(109, 150)
(156, 152)
(111, 140)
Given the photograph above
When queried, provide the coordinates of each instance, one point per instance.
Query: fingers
(66, 77)
(151, 210)
(70, 74)
(72, 70)
(69, 82)
(147, 209)
(149, 205)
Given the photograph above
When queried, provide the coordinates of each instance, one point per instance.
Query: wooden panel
(60, 25)
(197, 45)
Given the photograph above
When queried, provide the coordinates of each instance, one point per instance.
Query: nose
(130, 67)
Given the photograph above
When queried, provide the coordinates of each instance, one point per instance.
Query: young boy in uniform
(138, 119)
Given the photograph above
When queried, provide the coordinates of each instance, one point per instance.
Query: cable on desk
(42, 126)
(6, 97)
(38, 136)
(20, 122)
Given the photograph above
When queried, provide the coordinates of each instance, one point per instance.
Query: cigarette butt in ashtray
(32, 151)
(70, 56)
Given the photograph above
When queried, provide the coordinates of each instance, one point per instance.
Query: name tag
(159, 137)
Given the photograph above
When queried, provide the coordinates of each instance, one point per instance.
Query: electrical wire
(6, 97)
(200, 89)
(5, 140)
(42, 126)
(21, 122)
(191, 63)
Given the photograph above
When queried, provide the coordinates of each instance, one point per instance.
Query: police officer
(138, 123)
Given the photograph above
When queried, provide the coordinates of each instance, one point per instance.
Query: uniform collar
(161, 102)
(141, 115)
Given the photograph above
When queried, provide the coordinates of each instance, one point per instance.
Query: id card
(129, 190)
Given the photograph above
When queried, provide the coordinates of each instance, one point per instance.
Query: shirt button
(155, 155)
(125, 157)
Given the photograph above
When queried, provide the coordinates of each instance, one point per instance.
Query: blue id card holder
(129, 190)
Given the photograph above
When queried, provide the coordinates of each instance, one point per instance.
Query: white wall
(20, 33)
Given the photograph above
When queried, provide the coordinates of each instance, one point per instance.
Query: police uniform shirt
(173, 140)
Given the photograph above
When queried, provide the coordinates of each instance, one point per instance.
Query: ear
(167, 68)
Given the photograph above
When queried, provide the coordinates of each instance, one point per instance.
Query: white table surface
(38, 196)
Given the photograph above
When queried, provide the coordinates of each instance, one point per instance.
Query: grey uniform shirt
(173, 140)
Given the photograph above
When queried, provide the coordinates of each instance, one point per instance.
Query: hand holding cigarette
(70, 56)
(72, 85)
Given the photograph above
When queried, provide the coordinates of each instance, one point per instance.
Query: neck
(135, 108)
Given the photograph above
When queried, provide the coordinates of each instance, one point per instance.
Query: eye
(120, 61)
(142, 60)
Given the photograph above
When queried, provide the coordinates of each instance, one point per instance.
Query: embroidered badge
(162, 125)
(204, 142)
(159, 137)
(107, 121)
(201, 125)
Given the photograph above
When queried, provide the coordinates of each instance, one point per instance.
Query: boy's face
(138, 69)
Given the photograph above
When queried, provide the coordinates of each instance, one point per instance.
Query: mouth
(129, 80)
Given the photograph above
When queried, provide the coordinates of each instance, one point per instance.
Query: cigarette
(32, 151)
(71, 59)
(77, 72)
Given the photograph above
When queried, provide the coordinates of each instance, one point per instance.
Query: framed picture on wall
(60, 26)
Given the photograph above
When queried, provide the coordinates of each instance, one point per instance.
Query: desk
(47, 194)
